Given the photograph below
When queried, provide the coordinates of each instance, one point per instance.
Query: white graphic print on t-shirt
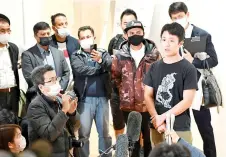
(163, 95)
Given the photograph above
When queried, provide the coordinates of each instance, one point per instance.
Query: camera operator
(52, 116)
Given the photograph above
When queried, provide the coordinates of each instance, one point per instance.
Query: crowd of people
(71, 82)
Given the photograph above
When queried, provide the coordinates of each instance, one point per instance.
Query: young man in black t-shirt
(171, 84)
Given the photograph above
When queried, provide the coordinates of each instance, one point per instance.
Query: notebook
(195, 44)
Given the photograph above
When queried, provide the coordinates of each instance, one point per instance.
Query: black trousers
(9, 100)
(145, 129)
(203, 121)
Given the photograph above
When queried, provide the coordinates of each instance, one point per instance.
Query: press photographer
(52, 116)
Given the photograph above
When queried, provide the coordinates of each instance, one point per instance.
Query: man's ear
(54, 28)
(181, 43)
(40, 87)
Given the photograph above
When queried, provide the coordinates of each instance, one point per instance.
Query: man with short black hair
(49, 118)
(91, 68)
(9, 77)
(113, 47)
(179, 13)
(41, 54)
(171, 84)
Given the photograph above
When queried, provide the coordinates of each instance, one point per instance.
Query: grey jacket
(47, 121)
(195, 152)
(33, 58)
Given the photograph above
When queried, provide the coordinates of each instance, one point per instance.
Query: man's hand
(66, 103)
(74, 104)
(96, 56)
(158, 120)
(162, 128)
(188, 56)
(173, 135)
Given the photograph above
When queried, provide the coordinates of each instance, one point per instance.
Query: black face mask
(45, 41)
(136, 39)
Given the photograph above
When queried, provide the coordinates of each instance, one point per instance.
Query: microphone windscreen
(134, 126)
(122, 146)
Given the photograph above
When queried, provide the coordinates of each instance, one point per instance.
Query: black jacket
(210, 50)
(81, 72)
(71, 43)
(14, 53)
(47, 122)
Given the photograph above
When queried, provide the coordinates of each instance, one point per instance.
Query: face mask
(54, 89)
(45, 41)
(86, 43)
(21, 145)
(136, 39)
(183, 22)
(4, 38)
(63, 32)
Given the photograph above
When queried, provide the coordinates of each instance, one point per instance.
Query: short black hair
(53, 17)
(174, 29)
(40, 26)
(37, 75)
(177, 7)
(166, 150)
(83, 28)
(128, 12)
(4, 18)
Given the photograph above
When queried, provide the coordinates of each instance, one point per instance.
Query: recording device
(133, 129)
(73, 142)
(70, 93)
(93, 47)
(122, 146)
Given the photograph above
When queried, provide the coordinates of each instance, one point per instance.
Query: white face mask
(20, 146)
(4, 38)
(54, 89)
(63, 32)
(183, 22)
(86, 43)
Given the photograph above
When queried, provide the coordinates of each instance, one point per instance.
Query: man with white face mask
(49, 118)
(62, 40)
(178, 12)
(91, 68)
(9, 78)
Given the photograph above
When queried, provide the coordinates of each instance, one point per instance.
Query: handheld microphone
(121, 146)
(133, 129)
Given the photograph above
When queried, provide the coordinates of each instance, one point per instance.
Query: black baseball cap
(134, 24)
(5, 18)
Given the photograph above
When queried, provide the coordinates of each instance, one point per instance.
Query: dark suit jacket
(14, 53)
(33, 58)
(210, 50)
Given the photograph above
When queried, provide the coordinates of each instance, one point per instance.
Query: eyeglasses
(3, 31)
(53, 80)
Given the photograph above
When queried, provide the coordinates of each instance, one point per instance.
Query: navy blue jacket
(72, 44)
(210, 50)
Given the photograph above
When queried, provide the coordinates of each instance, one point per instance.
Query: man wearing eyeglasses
(49, 119)
(9, 78)
(41, 54)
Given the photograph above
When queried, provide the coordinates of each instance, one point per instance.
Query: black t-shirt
(169, 81)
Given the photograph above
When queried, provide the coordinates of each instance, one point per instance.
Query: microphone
(133, 129)
(121, 146)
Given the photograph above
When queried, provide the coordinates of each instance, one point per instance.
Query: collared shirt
(7, 77)
(47, 56)
(188, 31)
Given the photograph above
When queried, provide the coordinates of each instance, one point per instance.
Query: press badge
(196, 38)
